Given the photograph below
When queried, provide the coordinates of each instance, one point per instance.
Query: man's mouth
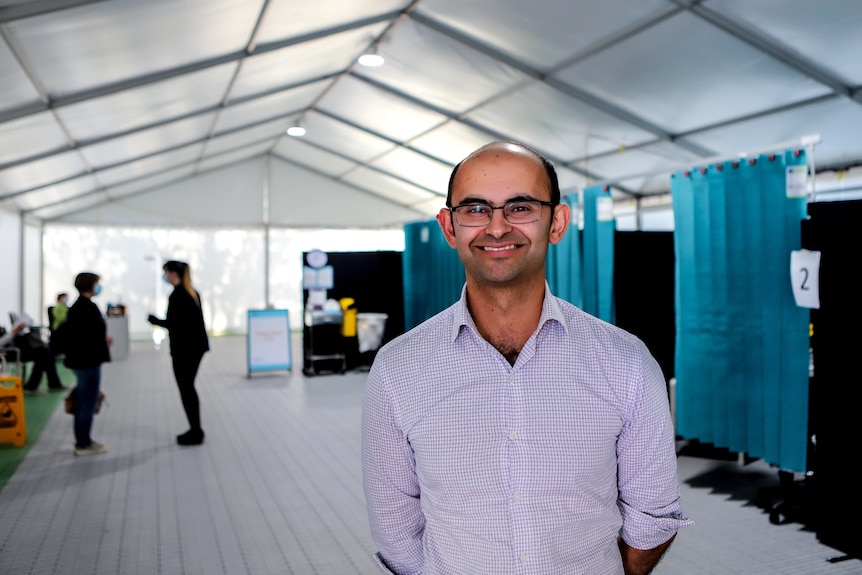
(499, 248)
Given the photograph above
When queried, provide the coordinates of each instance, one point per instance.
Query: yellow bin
(13, 426)
(348, 328)
(348, 325)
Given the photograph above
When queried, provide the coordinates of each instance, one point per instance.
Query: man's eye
(520, 207)
(477, 209)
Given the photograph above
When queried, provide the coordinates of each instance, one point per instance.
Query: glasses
(516, 212)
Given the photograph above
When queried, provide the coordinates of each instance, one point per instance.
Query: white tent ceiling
(175, 111)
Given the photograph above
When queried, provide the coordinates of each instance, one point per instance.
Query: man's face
(501, 253)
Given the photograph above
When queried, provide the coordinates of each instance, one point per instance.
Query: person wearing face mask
(86, 348)
(184, 321)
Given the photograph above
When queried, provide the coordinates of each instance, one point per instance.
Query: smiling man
(512, 432)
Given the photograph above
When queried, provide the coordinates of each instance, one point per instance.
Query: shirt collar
(550, 312)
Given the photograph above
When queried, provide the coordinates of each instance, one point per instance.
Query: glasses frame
(454, 213)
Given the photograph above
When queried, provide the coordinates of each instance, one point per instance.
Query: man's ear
(560, 222)
(444, 218)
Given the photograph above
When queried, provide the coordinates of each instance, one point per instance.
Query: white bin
(369, 330)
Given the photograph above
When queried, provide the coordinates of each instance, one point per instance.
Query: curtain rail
(804, 142)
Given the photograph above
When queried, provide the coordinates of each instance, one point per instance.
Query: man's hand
(642, 561)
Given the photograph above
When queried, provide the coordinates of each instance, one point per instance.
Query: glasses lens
(523, 212)
(473, 214)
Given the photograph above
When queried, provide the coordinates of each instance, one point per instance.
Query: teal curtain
(598, 254)
(564, 265)
(433, 274)
(741, 343)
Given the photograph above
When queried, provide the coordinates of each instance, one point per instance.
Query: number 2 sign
(805, 278)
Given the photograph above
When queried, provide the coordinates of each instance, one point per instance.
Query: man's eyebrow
(518, 198)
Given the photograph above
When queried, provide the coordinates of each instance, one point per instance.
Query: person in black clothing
(85, 344)
(185, 324)
(31, 348)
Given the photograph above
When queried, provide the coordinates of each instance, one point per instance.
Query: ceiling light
(296, 131)
(371, 59)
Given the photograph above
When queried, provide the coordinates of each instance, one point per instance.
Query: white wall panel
(33, 273)
(10, 253)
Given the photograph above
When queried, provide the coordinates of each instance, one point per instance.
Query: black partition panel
(834, 229)
(374, 280)
(644, 291)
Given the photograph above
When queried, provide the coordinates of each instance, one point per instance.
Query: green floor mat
(37, 412)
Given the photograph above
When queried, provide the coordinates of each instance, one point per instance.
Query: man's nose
(499, 225)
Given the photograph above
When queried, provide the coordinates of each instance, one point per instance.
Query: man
(512, 432)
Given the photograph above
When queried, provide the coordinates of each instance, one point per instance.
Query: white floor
(276, 488)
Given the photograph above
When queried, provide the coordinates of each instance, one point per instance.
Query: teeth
(491, 249)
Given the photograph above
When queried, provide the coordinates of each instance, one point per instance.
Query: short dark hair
(62, 294)
(549, 170)
(85, 282)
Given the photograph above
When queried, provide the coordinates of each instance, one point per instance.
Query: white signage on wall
(805, 278)
(314, 278)
(797, 181)
(605, 209)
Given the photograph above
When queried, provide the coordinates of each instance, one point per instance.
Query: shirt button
(516, 496)
(523, 558)
(512, 436)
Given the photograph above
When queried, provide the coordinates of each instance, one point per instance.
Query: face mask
(97, 290)
(165, 279)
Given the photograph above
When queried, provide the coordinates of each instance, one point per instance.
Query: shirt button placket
(515, 394)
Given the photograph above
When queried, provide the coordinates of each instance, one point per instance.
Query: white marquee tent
(173, 113)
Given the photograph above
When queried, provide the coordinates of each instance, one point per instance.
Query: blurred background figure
(31, 348)
(85, 342)
(57, 312)
(56, 316)
(184, 321)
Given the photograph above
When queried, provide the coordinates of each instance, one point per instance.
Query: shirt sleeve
(649, 499)
(390, 483)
